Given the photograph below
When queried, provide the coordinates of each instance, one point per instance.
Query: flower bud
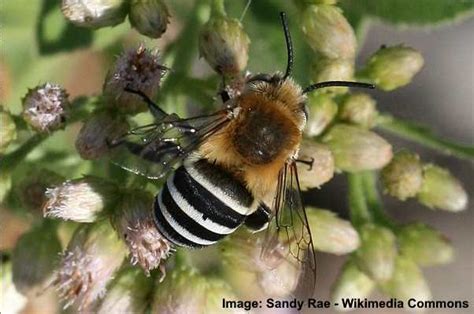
(321, 167)
(376, 255)
(91, 142)
(182, 292)
(149, 17)
(326, 69)
(34, 258)
(322, 110)
(424, 245)
(7, 130)
(94, 13)
(359, 109)
(80, 200)
(11, 301)
(440, 189)
(45, 107)
(281, 281)
(32, 188)
(328, 32)
(92, 257)
(138, 69)
(351, 283)
(331, 233)
(393, 67)
(407, 281)
(5, 184)
(355, 149)
(224, 44)
(127, 293)
(402, 177)
(134, 223)
(216, 291)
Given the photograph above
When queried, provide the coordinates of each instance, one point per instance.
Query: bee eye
(224, 96)
(305, 111)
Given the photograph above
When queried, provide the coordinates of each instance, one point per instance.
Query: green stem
(218, 9)
(424, 136)
(11, 160)
(359, 210)
(183, 55)
(373, 200)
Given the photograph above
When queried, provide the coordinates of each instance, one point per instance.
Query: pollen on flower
(45, 107)
(135, 225)
(147, 246)
(138, 69)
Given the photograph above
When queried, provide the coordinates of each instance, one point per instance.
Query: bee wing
(154, 149)
(288, 235)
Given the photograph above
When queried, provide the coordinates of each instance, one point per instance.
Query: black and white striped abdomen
(200, 204)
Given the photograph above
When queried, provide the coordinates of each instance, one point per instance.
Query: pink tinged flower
(45, 107)
(90, 261)
(134, 224)
(138, 69)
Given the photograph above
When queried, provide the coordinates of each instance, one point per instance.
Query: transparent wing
(154, 149)
(289, 235)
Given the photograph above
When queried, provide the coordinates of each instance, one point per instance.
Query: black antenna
(313, 87)
(289, 45)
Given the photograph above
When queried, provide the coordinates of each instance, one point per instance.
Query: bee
(233, 167)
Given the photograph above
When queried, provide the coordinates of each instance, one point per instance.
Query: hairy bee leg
(258, 220)
(156, 111)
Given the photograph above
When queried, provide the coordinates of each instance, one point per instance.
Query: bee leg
(258, 220)
(307, 162)
(156, 111)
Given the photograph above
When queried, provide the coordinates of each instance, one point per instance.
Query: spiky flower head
(127, 293)
(97, 131)
(393, 67)
(327, 69)
(351, 283)
(403, 176)
(92, 257)
(134, 223)
(32, 188)
(80, 200)
(224, 44)
(322, 110)
(34, 259)
(45, 107)
(440, 189)
(359, 108)
(149, 17)
(320, 168)
(182, 292)
(328, 33)
(407, 281)
(356, 149)
(7, 130)
(424, 245)
(376, 255)
(11, 301)
(94, 13)
(331, 233)
(138, 69)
